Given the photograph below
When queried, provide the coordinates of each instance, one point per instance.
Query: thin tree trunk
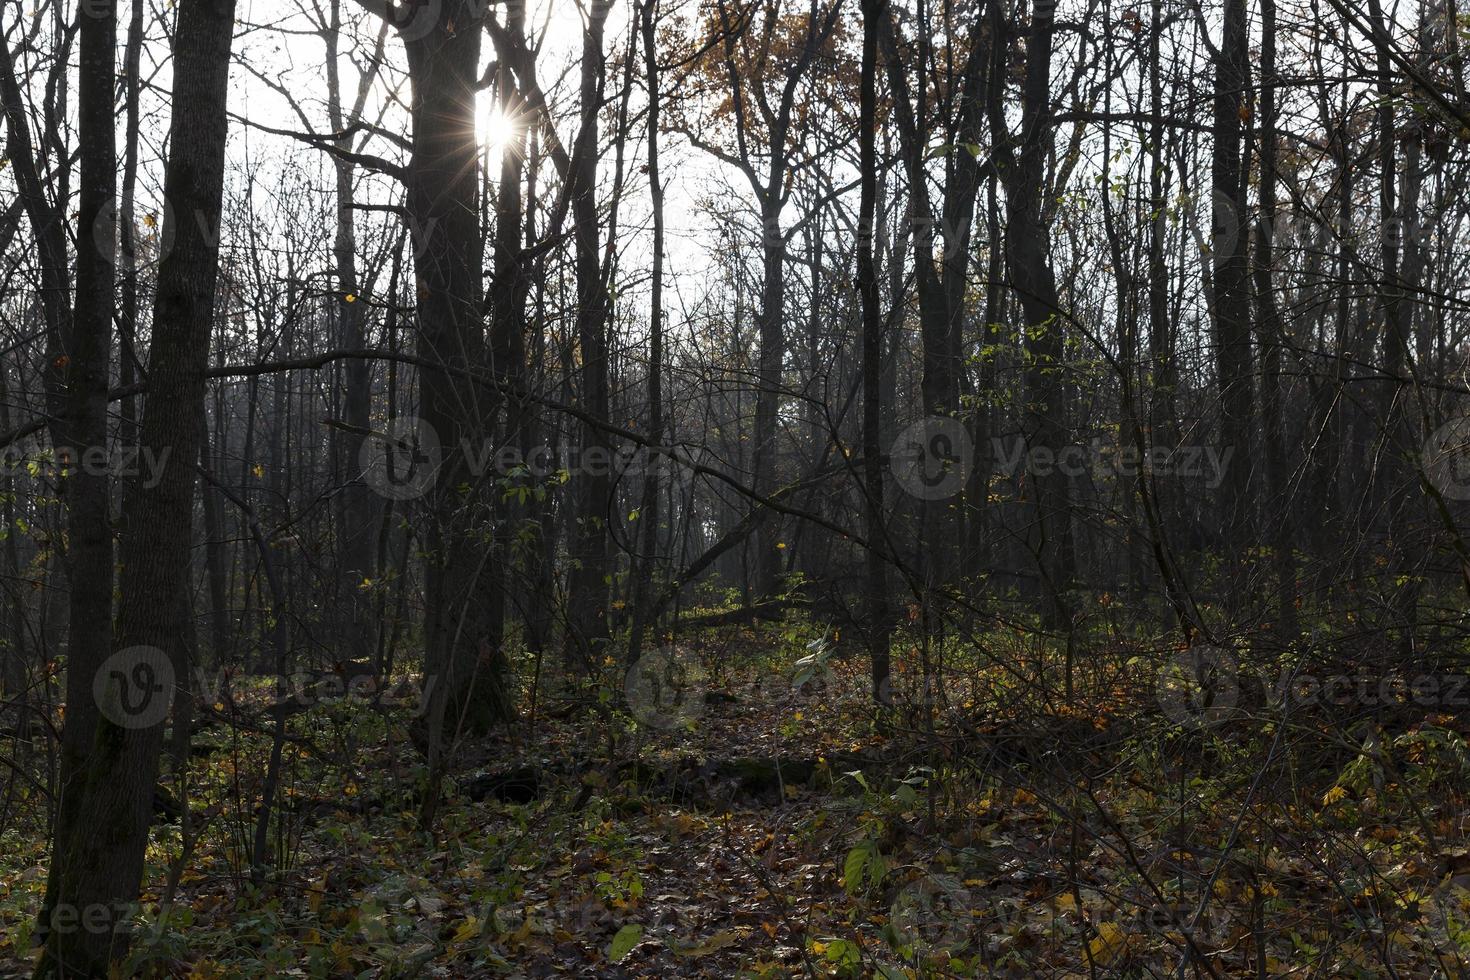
(648, 510)
(80, 374)
(1271, 334)
(878, 620)
(1231, 312)
(589, 584)
(1028, 263)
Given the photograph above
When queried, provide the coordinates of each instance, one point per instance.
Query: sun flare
(497, 130)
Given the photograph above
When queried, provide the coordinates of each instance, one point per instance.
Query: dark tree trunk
(1028, 263)
(77, 381)
(358, 510)
(1231, 310)
(1279, 536)
(100, 862)
(644, 585)
(592, 483)
(464, 661)
(878, 620)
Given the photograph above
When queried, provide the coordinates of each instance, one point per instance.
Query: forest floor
(760, 827)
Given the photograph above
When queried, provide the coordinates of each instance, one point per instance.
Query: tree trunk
(1231, 279)
(878, 620)
(358, 510)
(644, 585)
(771, 325)
(463, 659)
(589, 580)
(1028, 262)
(78, 376)
(100, 863)
(1271, 329)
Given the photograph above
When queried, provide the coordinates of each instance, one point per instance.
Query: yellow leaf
(1109, 943)
(316, 893)
(468, 929)
(1333, 795)
(713, 944)
(350, 297)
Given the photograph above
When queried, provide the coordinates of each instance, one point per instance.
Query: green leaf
(863, 861)
(844, 953)
(624, 941)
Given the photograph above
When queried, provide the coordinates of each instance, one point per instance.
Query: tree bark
(589, 585)
(1231, 312)
(1028, 264)
(463, 660)
(77, 380)
(878, 620)
(101, 860)
(644, 585)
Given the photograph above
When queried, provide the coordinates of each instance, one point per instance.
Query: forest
(734, 488)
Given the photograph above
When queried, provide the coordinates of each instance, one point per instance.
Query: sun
(497, 130)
